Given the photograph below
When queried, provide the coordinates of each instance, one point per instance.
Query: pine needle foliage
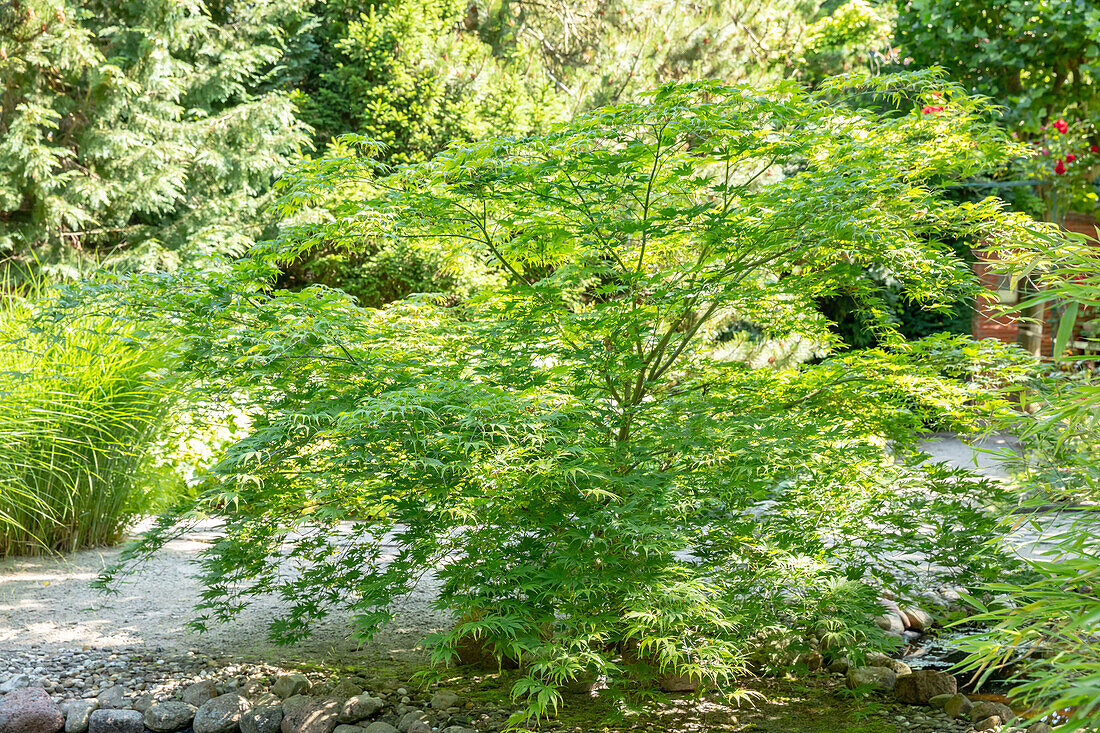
(141, 135)
(597, 493)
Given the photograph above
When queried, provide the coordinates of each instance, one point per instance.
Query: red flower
(1095, 149)
(931, 108)
(1070, 158)
(1061, 125)
(1060, 167)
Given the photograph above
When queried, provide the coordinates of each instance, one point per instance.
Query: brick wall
(988, 324)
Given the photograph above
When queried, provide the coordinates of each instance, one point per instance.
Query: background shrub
(81, 405)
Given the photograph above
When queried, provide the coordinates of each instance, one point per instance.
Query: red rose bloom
(1060, 167)
(1095, 149)
(1061, 125)
(1070, 158)
(930, 108)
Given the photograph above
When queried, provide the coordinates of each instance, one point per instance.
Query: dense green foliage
(1046, 633)
(81, 405)
(601, 493)
(139, 135)
(419, 76)
(1037, 58)
(409, 75)
(144, 136)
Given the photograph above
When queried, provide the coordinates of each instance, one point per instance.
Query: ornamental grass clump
(598, 495)
(1041, 629)
(81, 404)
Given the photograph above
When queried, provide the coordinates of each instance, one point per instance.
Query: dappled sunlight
(49, 602)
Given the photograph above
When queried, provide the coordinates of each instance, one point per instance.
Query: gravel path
(46, 603)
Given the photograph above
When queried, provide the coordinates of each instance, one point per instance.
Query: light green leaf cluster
(598, 493)
(856, 24)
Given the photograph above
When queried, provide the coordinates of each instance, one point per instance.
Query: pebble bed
(122, 680)
(130, 678)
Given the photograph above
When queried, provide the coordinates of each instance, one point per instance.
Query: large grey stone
(199, 693)
(419, 726)
(938, 701)
(444, 699)
(409, 718)
(15, 682)
(262, 719)
(993, 722)
(877, 678)
(116, 721)
(986, 709)
(319, 715)
(878, 659)
(891, 623)
(30, 710)
(1039, 728)
(359, 708)
(811, 660)
(919, 619)
(380, 727)
(252, 688)
(294, 702)
(113, 698)
(345, 688)
(220, 715)
(677, 682)
(77, 713)
(289, 685)
(345, 728)
(958, 706)
(457, 729)
(921, 686)
(170, 716)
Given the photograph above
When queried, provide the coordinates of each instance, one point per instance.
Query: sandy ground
(46, 603)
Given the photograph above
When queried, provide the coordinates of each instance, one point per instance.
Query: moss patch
(811, 705)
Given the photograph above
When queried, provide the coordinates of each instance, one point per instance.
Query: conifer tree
(141, 135)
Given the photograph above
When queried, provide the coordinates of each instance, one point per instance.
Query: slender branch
(649, 197)
(810, 395)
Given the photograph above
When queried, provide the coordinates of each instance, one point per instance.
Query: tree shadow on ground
(810, 705)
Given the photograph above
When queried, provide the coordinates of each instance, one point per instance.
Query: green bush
(597, 492)
(141, 135)
(377, 275)
(81, 404)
